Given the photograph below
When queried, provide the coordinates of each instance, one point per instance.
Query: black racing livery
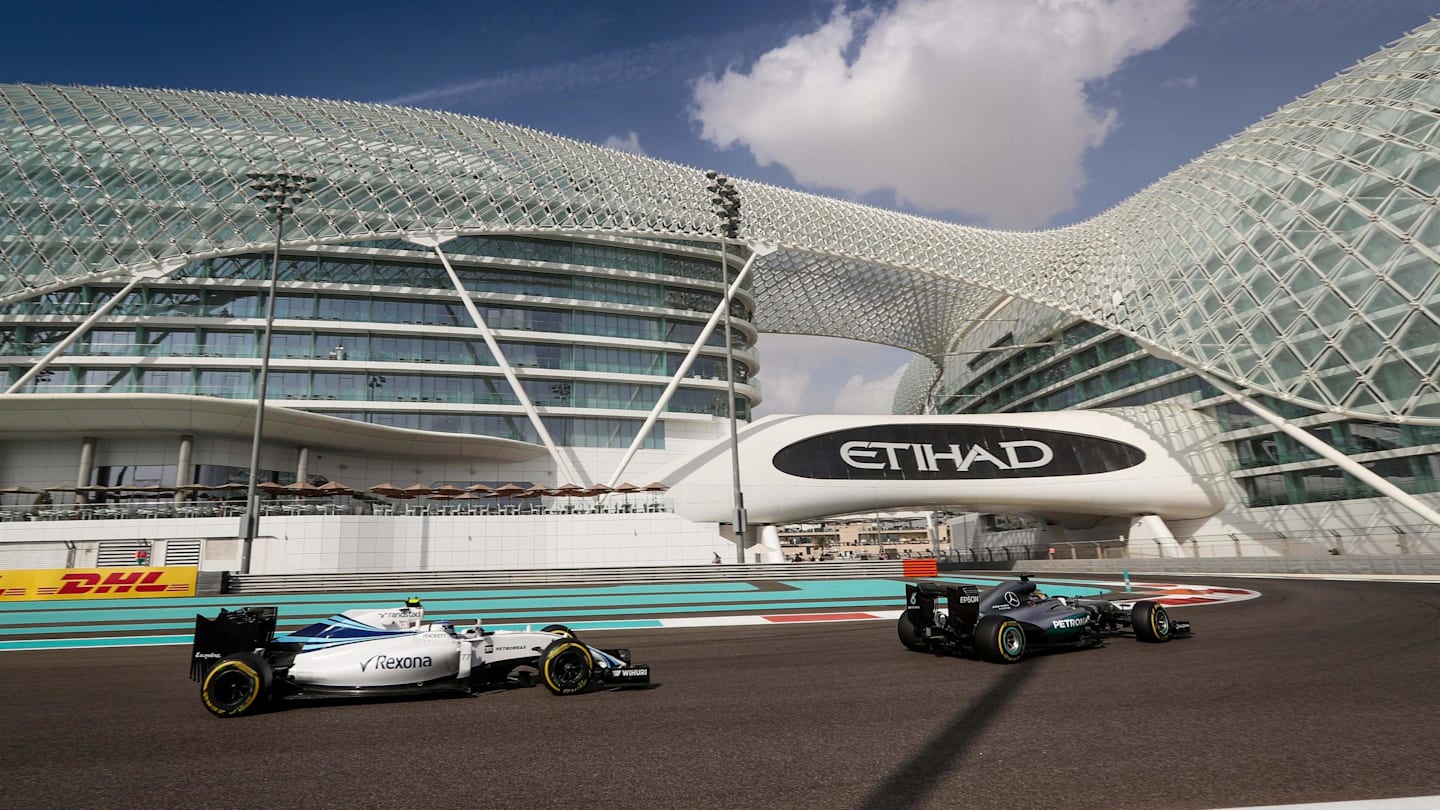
(1014, 618)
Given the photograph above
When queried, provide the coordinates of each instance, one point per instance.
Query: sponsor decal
(97, 583)
(1066, 624)
(632, 672)
(396, 662)
(965, 600)
(930, 452)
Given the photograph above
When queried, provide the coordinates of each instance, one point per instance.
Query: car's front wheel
(558, 629)
(236, 685)
(566, 666)
(1151, 622)
(999, 640)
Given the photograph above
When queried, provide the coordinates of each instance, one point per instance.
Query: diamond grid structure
(1298, 258)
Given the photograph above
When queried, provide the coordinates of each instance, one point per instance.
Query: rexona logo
(391, 662)
(930, 452)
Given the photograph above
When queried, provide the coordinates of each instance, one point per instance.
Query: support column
(302, 465)
(182, 467)
(770, 550)
(87, 466)
(1155, 527)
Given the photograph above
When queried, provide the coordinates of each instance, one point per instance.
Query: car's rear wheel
(566, 666)
(1151, 622)
(909, 633)
(999, 640)
(236, 685)
(558, 628)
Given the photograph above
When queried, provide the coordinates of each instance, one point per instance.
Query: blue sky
(1038, 113)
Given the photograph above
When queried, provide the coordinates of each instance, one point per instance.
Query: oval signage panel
(932, 452)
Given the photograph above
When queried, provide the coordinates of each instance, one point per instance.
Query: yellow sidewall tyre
(235, 686)
(566, 667)
(1151, 622)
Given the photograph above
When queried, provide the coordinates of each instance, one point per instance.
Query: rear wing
(232, 631)
(962, 604)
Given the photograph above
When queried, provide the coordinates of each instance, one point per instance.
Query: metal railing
(1387, 540)
(298, 507)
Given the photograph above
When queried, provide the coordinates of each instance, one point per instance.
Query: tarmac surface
(1317, 691)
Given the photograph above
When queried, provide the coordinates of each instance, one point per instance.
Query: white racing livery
(240, 663)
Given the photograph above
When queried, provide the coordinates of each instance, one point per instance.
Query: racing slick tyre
(558, 628)
(909, 635)
(1151, 622)
(565, 666)
(999, 640)
(236, 685)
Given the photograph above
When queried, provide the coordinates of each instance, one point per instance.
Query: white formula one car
(240, 662)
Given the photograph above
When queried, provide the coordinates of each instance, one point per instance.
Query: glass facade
(1084, 366)
(355, 327)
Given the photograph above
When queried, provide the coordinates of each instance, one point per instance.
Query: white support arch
(755, 252)
(561, 464)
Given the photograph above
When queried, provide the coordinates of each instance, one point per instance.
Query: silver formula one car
(240, 663)
(1014, 617)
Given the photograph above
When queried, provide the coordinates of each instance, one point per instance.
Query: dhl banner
(97, 583)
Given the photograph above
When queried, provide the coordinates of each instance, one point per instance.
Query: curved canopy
(1298, 258)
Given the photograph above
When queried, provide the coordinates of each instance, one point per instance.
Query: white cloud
(972, 106)
(1183, 82)
(629, 143)
(801, 374)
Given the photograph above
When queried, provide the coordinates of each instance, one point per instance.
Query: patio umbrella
(195, 487)
(230, 487)
(441, 497)
(449, 490)
(468, 496)
(302, 489)
(270, 487)
(335, 488)
(626, 488)
(388, 490)
(654, 486)
(63, 488)
(534, 492)
(18, 490)
(417, 489)
(478, 488)
(508, 490)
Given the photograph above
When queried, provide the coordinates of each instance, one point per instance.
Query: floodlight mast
(725, 203)
(279, 192)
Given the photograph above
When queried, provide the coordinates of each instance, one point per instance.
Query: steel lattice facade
(1298, 258)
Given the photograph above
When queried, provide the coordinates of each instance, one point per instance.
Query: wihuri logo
(392, 662)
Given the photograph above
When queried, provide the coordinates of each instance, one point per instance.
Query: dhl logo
(97, 583)
(147, 582)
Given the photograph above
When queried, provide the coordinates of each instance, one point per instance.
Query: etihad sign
(926, 458)
(938, 452)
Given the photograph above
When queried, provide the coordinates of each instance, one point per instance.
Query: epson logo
(927, 458)
(939, 451)
(391, 662)
(965, 600)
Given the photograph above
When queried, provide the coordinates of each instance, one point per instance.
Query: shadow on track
(912, 782)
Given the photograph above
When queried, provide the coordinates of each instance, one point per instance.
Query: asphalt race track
(1317, 691)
